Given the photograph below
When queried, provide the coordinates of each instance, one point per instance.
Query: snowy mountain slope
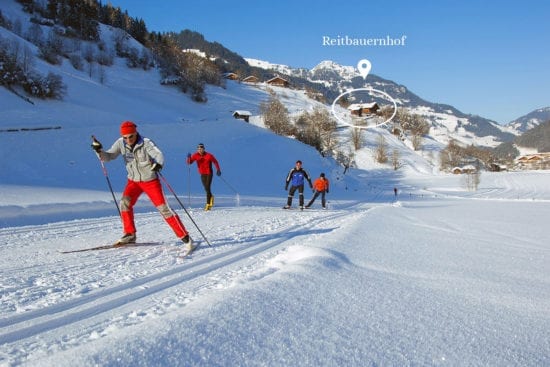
(163, 113)
(530, 120)
(447, 122)
(176, 123)
(278, 68)
(330, 73)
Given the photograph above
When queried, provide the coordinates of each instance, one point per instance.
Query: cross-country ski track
(95, 307)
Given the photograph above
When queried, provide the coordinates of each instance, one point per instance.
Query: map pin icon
(364, 68)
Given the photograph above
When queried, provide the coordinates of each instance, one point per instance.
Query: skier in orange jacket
(320, 187)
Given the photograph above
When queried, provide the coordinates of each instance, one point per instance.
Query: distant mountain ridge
(331, 79)
(537, 138)
(531, 120)
(446, 121)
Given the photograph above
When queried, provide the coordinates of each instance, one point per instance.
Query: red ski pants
(153, 189)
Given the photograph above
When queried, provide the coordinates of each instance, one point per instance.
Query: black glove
(286, 187)
(96, 145)
(218, 173)
(156, 167)
(327, 191)
(188, 158)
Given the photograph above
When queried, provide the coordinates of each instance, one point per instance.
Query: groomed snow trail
(65, 300)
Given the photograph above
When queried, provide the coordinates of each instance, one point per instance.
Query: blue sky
(488, 58)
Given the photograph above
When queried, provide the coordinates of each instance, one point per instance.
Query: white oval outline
(368, 90)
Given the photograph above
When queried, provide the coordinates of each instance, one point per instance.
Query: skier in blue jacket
(296, 178)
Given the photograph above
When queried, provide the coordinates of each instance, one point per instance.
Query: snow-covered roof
(358, 106)
(277, 78)
(242, 113)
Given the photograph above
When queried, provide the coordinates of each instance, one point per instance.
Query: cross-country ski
(115, 245)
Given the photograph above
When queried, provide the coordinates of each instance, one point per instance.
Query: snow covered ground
(430, 279)
(438, 276)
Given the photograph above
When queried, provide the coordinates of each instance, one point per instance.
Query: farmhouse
(534, 161)
(360, 109)
(231, 76)
(251, 79)
(465, 169)
(278, 81)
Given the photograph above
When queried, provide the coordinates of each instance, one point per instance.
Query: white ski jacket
(138, 159)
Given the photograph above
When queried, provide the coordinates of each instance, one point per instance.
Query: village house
(231, 76)
(469, 168)
(360, 109)
(534, 161)
(278, 81)
(497, 167)
(251, 79)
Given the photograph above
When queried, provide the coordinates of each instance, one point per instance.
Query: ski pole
(228, 185)
(189, 184)
(108, 181)
(183, 207)
(237, 196)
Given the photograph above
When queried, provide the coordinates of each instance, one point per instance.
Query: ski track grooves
(36, 322)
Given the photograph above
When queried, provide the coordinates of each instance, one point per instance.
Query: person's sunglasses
(128, 137)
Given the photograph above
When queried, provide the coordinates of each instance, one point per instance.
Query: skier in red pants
(143, 160)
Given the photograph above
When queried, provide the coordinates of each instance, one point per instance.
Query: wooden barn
(242, 115)
(465, 169)
(251, 79)
(457, 170)
(231, 76)
(360, 109)
(278, 81)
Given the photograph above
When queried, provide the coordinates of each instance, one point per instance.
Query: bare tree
(146, 59)
(326, 127)
(396, 160)
(316, 128)
(451, 156)
(102, 74)
(416, 141)
(415, 125)
(17, 27)
(346, 159)
(52, 49)
(105, 58)
(471, 180)
(275, 116)
(381, 152)
(91, 68)
(120, 39)
(27, 60)
(76, 61)
(35, 34)
(357, 137)
(455, 155)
